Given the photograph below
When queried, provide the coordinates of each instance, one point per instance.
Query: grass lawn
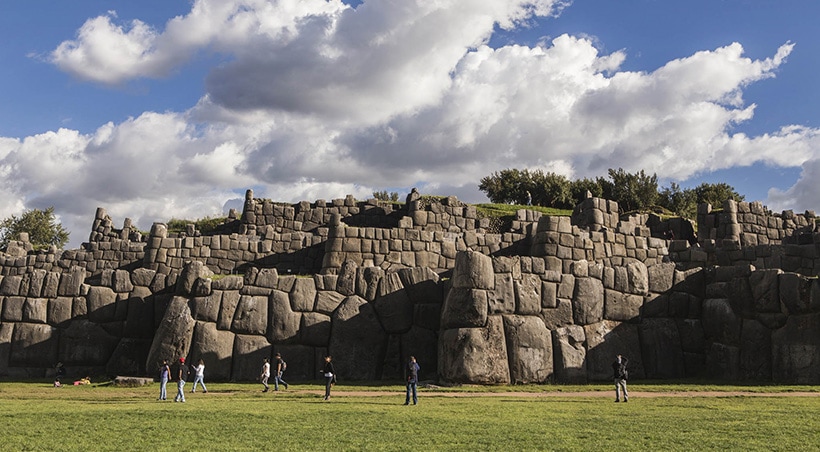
(36, 416)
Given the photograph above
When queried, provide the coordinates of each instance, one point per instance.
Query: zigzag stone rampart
(549, 299)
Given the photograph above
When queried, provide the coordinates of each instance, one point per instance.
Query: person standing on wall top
(529, 198)
(164, 376)
(412, 373)
(265, 374)
(620, 375)
(280, 368)
(181, 376)
(199, 376)
(330, 376)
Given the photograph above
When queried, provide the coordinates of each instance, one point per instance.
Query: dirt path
(579, 394)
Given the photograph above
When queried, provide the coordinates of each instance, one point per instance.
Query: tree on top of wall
(41, 225)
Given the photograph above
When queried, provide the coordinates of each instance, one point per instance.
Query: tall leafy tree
(633, 191)
(42, 226)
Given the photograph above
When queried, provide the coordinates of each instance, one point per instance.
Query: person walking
(412, 373)
(199, 376)
(620, 375)
(181, 375)
(265, 374)
(164, 376)
(280, 368)
(330, 375)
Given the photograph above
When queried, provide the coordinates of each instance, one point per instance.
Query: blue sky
(166, 108)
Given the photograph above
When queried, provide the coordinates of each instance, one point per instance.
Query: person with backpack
(164, 376)
(199, 376)
(281, 365)
(620, 375)
(181, 376)
(411, 371)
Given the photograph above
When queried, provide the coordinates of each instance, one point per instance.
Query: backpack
(284, 365)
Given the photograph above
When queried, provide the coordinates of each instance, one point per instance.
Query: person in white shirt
(199, 377)
(265, 374)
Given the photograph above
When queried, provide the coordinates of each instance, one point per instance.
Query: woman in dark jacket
(330, 376)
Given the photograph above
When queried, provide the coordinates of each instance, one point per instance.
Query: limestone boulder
(501, 299)
(357, 340)
(13, 308)
(314, 329)
(765, 290)
(559, 316)
(637, 278)
(473, 270)
(190, 273)
(422, 285)
(215, 348)
(142, 277)
(423, 344)
(796, 350)
(71, 281)
(346, 282)
(661, 348)
(227, 309)
(723, 361)
(33, 345)
(795, 292)
(605, 341)
(35, 310)
(661, 277)
(720, 322)
(207, 308)
(139, 322)
(284, 323)
(174, 334)
(588, 301)
(10, 285)
(464, 308)
(233, 282)
(121, 281)
(427, 316)
(248, 355)
(303, 295)
(328, 300)
(129, 358)
(102, 306)
(528, 295)
(59, 311)
(251, 316)
(755, 351)
(6, 334)
(368, 281)
(569, 351)
(395, 311)
(529, 349)
(622, 307)
(303, 361)
(474, 355)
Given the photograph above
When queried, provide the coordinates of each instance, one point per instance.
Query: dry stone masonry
(544, 299)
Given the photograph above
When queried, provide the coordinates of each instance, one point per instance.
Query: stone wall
(548, 299)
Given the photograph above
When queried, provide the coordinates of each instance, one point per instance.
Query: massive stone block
(795, 293)
(473, 270)
(622, 307)
(529, 349)
(569, 345)
(559, 316)
(474, 355)
(661, 277)
(588, 301)
(464, 308)
(207, 308)
(755, 351)
(172, 339)
(129, 357)
(251, 316)
(6, 334)
(139, 322)
(528, 295)
(796, 350)
(190, 273)
(284, 323)
(59, 311)
(248, 353)
(720, 322)
(314, 329)
(605, 341)
(501, 299)
(357, 340)
(215, 348)
(86, 344)
(423, 344)
(303, 295)
(327, 301)
(101, 304)
(422, 285)
(661, 349)
(33, 345)
(638, 278)
(227, 309)
(35, 310)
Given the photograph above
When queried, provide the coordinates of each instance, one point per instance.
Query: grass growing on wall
(240, 417)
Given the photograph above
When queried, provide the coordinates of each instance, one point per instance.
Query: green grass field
(36, 416)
